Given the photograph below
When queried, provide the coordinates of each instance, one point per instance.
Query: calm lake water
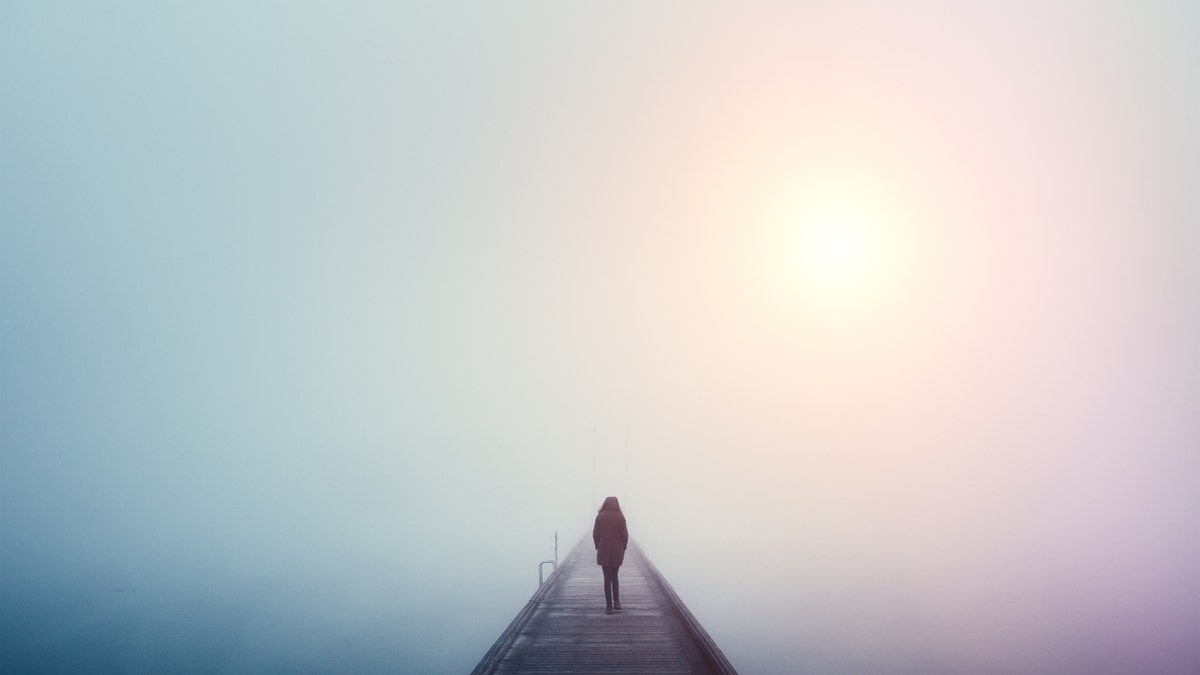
(773, 606)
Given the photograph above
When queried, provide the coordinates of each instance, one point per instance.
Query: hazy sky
(318, 320)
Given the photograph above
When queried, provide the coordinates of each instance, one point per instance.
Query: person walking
(611, 537)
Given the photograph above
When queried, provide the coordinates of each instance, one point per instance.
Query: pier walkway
(563, 628)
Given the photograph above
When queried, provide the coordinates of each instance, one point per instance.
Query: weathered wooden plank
(564, 629)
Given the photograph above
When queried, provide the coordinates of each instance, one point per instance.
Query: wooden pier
(564, 629)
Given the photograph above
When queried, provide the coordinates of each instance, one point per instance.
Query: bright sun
(837, 247)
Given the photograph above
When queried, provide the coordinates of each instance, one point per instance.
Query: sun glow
(842, 245)
(838, 247)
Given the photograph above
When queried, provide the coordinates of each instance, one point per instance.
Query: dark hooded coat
(611, 536)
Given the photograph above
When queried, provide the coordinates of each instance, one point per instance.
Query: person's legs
(610, 576)
(616, 589)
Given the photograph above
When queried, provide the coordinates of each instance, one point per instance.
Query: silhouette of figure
(611, 537)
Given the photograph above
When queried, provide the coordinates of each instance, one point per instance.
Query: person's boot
(608, 610)
(616, 596)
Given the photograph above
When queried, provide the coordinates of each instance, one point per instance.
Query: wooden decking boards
(563, 628)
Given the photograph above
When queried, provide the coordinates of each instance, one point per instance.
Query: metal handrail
(552, 562)
(540, 568)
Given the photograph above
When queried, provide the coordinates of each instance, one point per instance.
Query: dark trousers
(612, 588)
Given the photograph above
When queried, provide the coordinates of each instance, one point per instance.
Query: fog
(317, 322)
